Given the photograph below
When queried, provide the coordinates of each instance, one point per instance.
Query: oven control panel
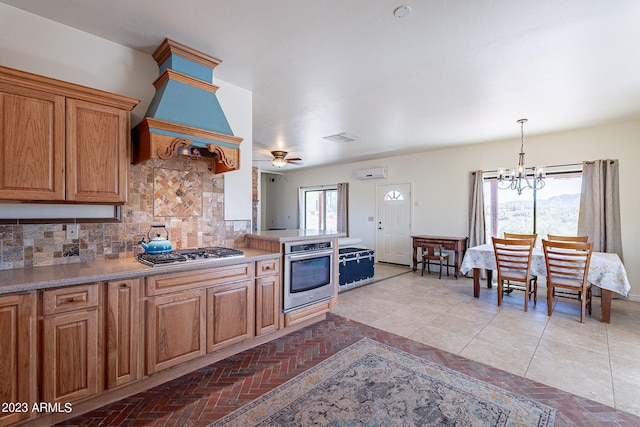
(307, 247)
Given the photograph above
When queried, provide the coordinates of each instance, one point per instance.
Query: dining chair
(513, 263)
(567, 270)
(558, 238)
(565, 292)
(534, 278)
(434, 254)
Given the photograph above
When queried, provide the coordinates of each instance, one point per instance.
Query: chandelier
(521, 177)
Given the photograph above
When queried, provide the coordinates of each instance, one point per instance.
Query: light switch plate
(72, 231)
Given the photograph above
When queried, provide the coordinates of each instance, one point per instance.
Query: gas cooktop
(185, 255)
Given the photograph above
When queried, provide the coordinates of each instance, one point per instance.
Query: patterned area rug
(372, 384)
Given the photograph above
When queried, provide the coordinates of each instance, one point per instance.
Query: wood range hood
(184, 116)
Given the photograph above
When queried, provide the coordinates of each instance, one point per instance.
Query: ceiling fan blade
(294, 163)
(292, 158)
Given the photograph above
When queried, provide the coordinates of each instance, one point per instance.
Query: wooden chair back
(521, 236)
(558, 238)
(513, 264)
(568, 268)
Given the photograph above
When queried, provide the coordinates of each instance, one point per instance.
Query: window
(319, 208)
(552, 209)
(393, 195)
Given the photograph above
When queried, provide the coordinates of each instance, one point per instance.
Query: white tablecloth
(606, 271)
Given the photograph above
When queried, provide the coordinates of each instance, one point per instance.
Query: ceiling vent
(342, 137)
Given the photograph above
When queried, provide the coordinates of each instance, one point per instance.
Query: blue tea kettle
(158, 244)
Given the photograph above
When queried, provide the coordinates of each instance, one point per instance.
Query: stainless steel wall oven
(308, 273)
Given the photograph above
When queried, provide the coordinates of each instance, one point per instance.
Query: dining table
(606, 271)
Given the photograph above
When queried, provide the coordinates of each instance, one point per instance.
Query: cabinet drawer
(306, 313)
(62, 300)
(267, 267)
(167, 283)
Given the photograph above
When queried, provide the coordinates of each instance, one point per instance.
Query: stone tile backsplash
(188, 200)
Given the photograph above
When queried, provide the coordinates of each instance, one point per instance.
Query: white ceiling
(452, 72)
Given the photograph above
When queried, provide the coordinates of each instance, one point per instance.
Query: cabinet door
(123, 332)
(267, 304)
(97, 152)
(17, 382)
(176, 330)
(230, 314)
(32, 146)
(70, 365)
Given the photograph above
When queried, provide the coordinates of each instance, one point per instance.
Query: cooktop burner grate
(182, 255)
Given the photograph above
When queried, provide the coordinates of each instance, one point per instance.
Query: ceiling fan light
(279, 163)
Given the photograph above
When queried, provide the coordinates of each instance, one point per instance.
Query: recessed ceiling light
(402, 11)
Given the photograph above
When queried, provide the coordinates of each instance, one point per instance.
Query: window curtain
(477, 229)
(599, 216)
(343, 207)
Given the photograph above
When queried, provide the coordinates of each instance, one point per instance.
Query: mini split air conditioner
(374, 173)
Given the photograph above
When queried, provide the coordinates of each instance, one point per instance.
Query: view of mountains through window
(555, 210)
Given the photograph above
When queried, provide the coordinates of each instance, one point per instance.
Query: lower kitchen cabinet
(175, 329)
(267, 304)
(123, 332)
(71, 350)
(230, 314)
(17, 352)
(306, 313)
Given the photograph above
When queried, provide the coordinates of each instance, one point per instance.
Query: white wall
(441, 182)
(237, 106)
(31, 43)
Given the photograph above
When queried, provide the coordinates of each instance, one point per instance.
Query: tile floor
(594, 360)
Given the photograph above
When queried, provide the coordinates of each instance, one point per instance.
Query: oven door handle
(309, 255)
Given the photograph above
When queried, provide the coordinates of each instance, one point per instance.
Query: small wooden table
(456, 244)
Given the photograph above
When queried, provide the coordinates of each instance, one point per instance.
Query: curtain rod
(320, 186)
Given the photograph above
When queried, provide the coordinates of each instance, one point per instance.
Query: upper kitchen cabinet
(62, 142)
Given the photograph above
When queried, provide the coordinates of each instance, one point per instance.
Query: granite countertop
(28, 279)
(294, 235)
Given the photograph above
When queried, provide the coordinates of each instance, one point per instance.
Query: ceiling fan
(279, 159)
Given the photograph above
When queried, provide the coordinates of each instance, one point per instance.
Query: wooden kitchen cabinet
(97, 152)
(267, 296)
(176, 329)
(31, 144)
(230, 314)
(72, 366)
(62, 142)
(123, 332)
(17, 356)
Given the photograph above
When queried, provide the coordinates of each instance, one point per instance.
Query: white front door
(394, 223)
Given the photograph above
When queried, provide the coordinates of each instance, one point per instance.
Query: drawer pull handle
(124, 286)
(72, 299)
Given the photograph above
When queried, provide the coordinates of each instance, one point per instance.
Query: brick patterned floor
(205, 395)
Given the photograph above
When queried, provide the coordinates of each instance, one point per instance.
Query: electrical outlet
(73, 231)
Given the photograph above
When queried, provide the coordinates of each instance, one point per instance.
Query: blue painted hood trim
(178, 102)
(187, 105)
